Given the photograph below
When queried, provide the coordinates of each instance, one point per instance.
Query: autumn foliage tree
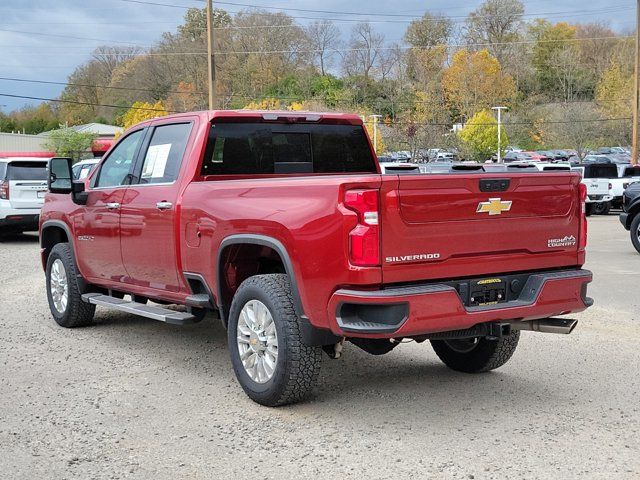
(475, 81)
(480, 136)
(141, 111)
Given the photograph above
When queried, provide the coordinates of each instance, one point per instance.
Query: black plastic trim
(371, 317)
(254, 239)
(200, 279)
(56, 223)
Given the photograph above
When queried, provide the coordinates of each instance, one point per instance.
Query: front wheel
(63, 289)
(476, 355)
(635, 232)
(272, 364)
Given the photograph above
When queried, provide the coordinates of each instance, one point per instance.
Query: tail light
(4, 190)
(582, 243)
(611, 186)
(364, 239)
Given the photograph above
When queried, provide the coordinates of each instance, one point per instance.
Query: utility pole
(375, 130)
(636, 85)
(499, 109)
(210, 56)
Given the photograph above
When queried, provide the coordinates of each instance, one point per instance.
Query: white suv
(23, 185)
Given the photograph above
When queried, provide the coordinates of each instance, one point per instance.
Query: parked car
(443, 156)
(399, 168)
(525, 157)
(238, 221)
(23, 185)
(82, 169)
(597, 177)
(630, 217)
(619, 184)
(552, 167)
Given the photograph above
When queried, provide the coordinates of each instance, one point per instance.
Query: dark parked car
(630, 218)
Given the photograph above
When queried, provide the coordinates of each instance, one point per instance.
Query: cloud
(36, 43)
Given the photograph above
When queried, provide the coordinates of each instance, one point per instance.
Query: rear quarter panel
(303, 213)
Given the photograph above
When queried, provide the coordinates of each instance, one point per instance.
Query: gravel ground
(135, 398)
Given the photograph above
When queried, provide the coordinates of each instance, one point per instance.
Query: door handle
(113, 206)
(164, 205)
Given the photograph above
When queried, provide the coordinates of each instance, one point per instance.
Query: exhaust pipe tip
(562, 326)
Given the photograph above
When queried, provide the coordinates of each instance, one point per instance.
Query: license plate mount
(488, 291)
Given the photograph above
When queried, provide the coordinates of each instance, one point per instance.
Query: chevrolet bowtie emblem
(495, 206)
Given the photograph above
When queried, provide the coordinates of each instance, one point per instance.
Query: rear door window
(264, 148)
(164, 155)
(27, 171)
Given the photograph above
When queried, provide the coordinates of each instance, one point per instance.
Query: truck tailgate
(445, 226)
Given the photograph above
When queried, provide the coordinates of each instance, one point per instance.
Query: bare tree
(109, 57)
(324, 38)
(493, 24)
(569, 72)
(364, 52)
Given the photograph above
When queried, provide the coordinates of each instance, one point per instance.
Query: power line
(57, 100)
(342, 50)
(48, 82)
(609, 9)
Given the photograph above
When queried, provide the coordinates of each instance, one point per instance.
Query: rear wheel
(588, 209)
(635, 232)
(63, 289)
(272, 364)
(475, 355)
(602, 208)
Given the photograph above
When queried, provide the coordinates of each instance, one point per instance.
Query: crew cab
(282, 224)
(23, 185)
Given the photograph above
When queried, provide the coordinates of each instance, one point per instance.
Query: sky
(46, 40)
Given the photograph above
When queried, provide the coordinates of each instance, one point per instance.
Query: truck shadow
(411, 376)
(19, 238)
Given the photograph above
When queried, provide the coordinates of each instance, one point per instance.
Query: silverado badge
(495, 206)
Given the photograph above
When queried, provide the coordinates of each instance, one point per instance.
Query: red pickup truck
(282, 223)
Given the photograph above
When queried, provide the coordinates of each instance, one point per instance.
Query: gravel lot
(135, 398)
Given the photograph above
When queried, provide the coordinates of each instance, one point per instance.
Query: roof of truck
(266, 115)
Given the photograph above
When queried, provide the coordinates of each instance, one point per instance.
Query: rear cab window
(26, 171)
(287, 149)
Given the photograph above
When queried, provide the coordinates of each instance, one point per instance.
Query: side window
(164, 155)
(117, 166)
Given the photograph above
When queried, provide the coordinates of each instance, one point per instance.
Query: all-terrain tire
(482, 356)
(76, 312)
(297, 364)
(635, 232)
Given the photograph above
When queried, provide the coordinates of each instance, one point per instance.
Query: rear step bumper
(422, 309)
(149, 311)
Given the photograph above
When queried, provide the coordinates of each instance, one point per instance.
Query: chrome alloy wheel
(59, 286)
(257, 341)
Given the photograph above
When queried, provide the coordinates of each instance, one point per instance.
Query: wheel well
(51, 236)
(241, 261)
